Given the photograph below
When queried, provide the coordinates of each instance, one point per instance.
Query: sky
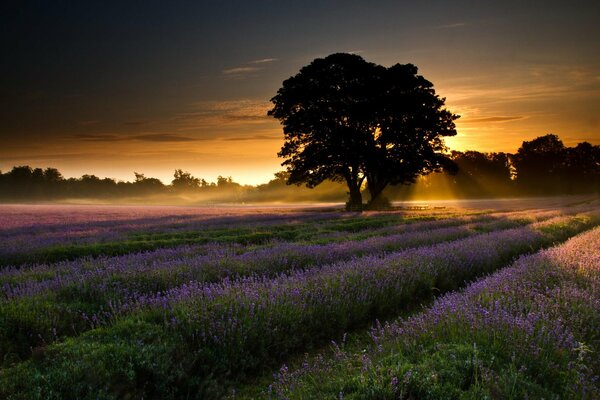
(109, 88)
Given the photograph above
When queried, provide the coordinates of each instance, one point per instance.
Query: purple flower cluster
(543, 310)
(216, 261)
(233, 309)
(328, 300)
(27, 228)
(374, 278)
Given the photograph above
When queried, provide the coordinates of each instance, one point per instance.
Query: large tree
(345, 119)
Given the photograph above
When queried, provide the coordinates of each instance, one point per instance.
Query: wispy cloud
(452, 26)
(240, 70)
(164, 137)
(98, 137)
(49, 157)
(88, 122)
(247, 68)
(263, 61)
(252, 137)
(151, 137)
(215, 114)
(493, 119)
(135, 123)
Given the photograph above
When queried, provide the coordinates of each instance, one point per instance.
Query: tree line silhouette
(543, 166)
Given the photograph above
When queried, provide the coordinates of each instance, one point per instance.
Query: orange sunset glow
(197, 98)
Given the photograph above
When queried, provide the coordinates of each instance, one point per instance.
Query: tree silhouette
(146, 186)
(482, 174)
(345, 119)
(184, 180)
(540, 164)
(582, 168)
(52, 175)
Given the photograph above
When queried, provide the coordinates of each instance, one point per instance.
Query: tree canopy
(345, 119)
(545, 166)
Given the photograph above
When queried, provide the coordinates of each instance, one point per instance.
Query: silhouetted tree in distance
(582, 168)
(226, 182)
(482, 174)
(147, 186)
(540, 164)
(184, 181)
(345, 119)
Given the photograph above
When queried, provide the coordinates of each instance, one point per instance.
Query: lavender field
(450, 300)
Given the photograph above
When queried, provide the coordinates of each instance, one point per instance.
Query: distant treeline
(543, 166)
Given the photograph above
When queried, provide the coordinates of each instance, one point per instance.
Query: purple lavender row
(189, 253)
(43, 270)
(541, 311)
(100, 291)
(457, 257)
(233, 327)
(60, 217)
(91, 294)
(22, 239)
(127, 274)
(28, 237)
(200, 249)
(452, 220)
(320, 303)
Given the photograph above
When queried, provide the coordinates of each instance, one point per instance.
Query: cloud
(151, 137)
(248, 68)
(215, 114)
(135, 123)
(491, 119)
(89, 122)
(240, 70)
(49, 157)
(252, 137)
(263, 61)
(99, 137)
(452, 26)
(163, 137)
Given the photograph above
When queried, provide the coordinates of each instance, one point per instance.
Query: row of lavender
(147, 225)
(192, 338)
(200, 262)
(42, 304)
(528, 331)
(23, 229)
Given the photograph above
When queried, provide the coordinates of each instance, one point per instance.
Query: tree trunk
(377, 201)
(355, 201)
(354, 183)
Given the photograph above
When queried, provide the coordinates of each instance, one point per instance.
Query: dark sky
(115, 87)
